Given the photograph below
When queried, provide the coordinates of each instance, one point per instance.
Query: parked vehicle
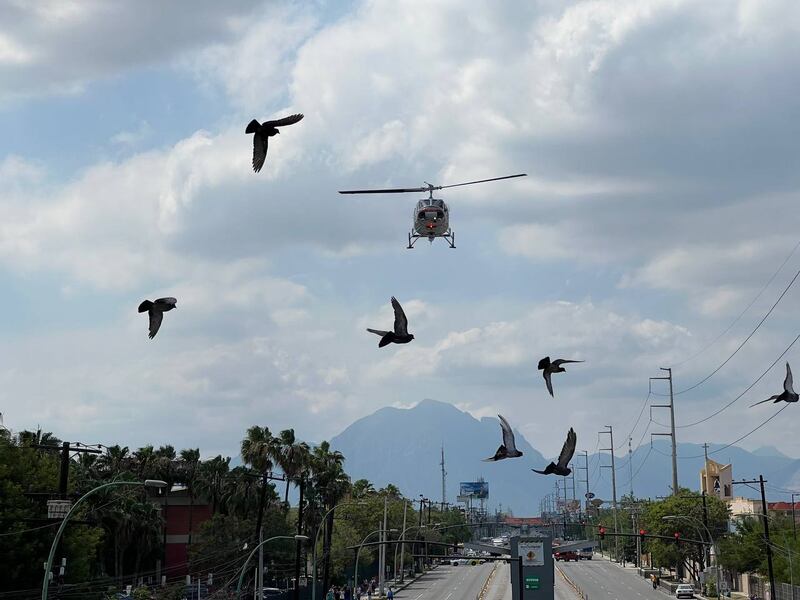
(566, 556)
(585, 554)
(684, 590)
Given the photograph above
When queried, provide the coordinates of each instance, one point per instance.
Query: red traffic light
(642, 532)
(677, 536)
(602, 532)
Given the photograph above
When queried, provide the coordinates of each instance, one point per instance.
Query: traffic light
(642, 533)
(602, 533)
(677, 536)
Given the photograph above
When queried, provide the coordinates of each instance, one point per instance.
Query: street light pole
(49, 564)
(710, 537)
(298, 538)
(361, 545)
(314, 549)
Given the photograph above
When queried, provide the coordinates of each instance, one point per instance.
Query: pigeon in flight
(156, 312)
(264, 131)
(549, 368)
(563, 460)
(400, 334)
(508, 449)
(788, 395)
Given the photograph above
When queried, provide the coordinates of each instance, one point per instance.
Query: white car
(684, 590)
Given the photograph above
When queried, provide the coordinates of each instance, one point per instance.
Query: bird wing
(156, 316)
(260, 143)
(544, 363)
(400, 320)
(568, 449)
(377, 332)
(168, 300)
(290, 120)
(538, 471)
(767, 400)
(508, 435)
(546, 374)
(788, 383)
(561, 361)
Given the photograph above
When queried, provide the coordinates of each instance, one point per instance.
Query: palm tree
(292, 457)
(211, 481)
(188, 469)
(331, 484)
(114, 462)
(258, 450)
(362, 488)
(145, 459)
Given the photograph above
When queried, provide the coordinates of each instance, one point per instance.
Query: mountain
(403, 447)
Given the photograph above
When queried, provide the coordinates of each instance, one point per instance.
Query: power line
(740, 346)
(641, 412)
(741, 314)
(747, 389)
(726, 446)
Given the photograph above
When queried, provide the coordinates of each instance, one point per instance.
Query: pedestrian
(329, 595)
(390, 595)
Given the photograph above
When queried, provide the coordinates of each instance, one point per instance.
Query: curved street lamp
(361, 545)
(316, 539)
(157, 483)
(299, 538)
(710, 537)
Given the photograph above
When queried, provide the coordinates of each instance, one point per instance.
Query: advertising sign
(532, 554)
(476, 489)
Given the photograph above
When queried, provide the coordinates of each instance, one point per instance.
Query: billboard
(475, 489)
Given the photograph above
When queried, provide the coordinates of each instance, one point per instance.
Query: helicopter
(431, 218)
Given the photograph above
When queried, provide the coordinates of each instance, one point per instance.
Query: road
(603, 580)
(464, 583)
(448, 582)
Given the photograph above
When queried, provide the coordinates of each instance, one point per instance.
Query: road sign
(589, 495)
(531, 583)
(532, 554)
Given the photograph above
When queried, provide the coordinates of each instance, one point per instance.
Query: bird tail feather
(145, 306)
(252, 126)
(377, 332)
(538, 471)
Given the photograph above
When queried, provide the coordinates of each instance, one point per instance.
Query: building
(176, 511)
(717, 480)
(785, 509)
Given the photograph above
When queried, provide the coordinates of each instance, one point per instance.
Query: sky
(660, 143)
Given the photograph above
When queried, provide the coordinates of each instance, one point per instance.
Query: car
(271, 591)
(585, 554)
(567, 555)
(684, 590)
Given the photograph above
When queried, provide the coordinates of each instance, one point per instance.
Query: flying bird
(549, 368)
(264, 131)
(567, 451)
(508, 449)
(156, 310)
(400, 334)
(788, 394)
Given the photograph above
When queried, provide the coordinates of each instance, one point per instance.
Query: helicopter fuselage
(431, 218)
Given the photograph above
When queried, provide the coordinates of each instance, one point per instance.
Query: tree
(188, 471)
(211, 479)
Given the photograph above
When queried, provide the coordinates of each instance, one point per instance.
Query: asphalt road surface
(603, 580)
(448, 582)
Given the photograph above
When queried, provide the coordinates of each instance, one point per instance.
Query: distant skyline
(660, 144)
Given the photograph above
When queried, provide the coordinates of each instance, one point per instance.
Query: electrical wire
(747, 389)
(740, 346)
(741, 314)
(641, 412)
(726, 446)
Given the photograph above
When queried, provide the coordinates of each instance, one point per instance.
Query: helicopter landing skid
(449, 237)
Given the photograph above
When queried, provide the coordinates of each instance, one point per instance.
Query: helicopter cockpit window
(438, 203)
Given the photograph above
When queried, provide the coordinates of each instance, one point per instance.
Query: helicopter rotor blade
(389, 191)
(441, 187)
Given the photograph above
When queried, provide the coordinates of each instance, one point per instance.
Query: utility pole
(610, 432)
(444, 487)
(794, 521)
(630, 463)
(403, 545)
(671, 407)
(761, 481)
(382, 554)
(586, 481)
(298, 543)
